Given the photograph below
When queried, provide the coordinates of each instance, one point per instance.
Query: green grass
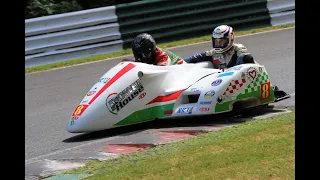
(260, 149)
(128, 51)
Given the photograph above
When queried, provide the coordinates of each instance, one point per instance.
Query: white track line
(31, 160)
(168, 48)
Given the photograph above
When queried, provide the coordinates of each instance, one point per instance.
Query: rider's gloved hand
(210, 52)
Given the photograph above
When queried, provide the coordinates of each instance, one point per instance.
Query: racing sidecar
(132, 92)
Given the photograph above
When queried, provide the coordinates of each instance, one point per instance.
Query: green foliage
(38, 8)
(66, 6)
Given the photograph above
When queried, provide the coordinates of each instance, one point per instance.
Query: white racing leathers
(237, 54)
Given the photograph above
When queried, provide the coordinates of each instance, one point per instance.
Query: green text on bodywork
(146, 114)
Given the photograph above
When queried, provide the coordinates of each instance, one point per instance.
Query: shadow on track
(225, 118)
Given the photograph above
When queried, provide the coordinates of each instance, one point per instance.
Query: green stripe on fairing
(257, 94)
(223, 106)
(146, 114)
(227, 105)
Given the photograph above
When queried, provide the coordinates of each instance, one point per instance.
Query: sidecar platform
(280, 95)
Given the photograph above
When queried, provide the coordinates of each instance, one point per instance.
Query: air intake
(193, 98)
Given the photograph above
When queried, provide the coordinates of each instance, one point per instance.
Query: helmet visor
(141, 53)
(220, 42)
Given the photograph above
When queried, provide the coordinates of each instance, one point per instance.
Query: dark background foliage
(39, 8)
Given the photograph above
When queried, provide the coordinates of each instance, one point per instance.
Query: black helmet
(143, 47)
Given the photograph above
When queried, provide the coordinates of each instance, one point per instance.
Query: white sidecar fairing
(113, 101)
(132, 92)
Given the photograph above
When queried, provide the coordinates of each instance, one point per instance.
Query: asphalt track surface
(51, 96)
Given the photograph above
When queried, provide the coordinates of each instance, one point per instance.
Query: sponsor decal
(90, 93)
(206, 102)
(219, 99)
(260, 69)
(209, 94)
(185, 110)
(71, 122)
(103, 80)
(142, 95)
(204, 109)
(194, 90)
(226, 74)
(84, 101)
(115, 102)
(167, 112)
(216, 82)
(74, 118)
(252, 73)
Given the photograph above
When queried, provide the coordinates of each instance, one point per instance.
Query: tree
(38, 8)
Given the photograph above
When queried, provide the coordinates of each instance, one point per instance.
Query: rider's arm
(175, 58)
(198, 57)
(165, 58)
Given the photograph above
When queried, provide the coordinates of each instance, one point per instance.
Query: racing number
(265, 91)
(79, 110)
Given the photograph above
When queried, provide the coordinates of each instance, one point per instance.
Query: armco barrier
(73, 35)
(61, 22)
(278, 6)
(282, 18)
(71, 38)
(104, 30)
(74, 53)
(281, 11)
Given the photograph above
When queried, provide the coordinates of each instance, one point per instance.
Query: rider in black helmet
(145, 50)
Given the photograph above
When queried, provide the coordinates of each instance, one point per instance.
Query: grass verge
(128, 51)
(260, 149)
